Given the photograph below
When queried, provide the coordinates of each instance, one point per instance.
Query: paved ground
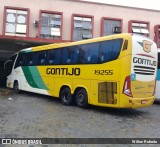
(32, 115)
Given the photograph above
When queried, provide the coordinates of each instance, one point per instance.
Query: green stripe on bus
(38, 79)
(33, 77)
(29, 77)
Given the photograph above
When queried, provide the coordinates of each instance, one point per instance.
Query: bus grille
(143, 70)
(106, 91)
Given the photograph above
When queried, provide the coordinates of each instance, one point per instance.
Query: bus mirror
(6, 63)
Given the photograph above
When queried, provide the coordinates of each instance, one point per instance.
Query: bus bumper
(141, 102)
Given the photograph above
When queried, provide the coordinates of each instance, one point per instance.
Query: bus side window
(101, 57)
(110, 50)
(105, 50)
(65, 54)
(70, 55)
(94, 52)
(116, 47)
(51, 57)
(91, 52)
(40, 58)
(29, 59)
(82, 55)
(75, 55)
(57, 56)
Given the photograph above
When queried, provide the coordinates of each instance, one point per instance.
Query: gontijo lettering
(63, 71)
(144, 61)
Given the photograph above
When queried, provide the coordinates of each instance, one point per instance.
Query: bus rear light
(127, 87)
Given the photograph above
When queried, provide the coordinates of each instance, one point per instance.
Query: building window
(82, 27)
(157, 35)
(16, 21)
(110, 26)
(139, 27)
(51, 25)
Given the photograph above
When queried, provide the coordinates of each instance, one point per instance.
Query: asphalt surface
(29, 115)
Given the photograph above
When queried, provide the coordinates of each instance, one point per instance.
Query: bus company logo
(146, 45)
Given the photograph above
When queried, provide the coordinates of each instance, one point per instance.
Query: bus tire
(66, 96)
(82, 98)
(16, 87)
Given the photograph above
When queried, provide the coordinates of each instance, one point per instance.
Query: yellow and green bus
(113, 71)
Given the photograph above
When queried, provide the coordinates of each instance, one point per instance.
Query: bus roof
(59, 45)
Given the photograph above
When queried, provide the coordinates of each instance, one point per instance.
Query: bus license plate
(143, 101)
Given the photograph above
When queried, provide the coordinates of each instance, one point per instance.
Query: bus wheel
(16, 87)
(66, 96)
(82, 98)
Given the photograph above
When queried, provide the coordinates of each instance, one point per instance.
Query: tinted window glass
(70, 55)
(12, 60)
(54, 56)
(51, 57)
(29, 59)
(67, 55)
(20, 60)
(92, 53)
(89, 53)
(40, 58)
(109, 50)
(76, 55)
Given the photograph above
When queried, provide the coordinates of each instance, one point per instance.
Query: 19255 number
(103, 72)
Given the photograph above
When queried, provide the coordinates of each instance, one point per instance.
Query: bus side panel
(124, 70)
(82, 83)
(35, 81)
(126, 66)
(94, 92)
(59, 82)
(11, 79)
(50, 82)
